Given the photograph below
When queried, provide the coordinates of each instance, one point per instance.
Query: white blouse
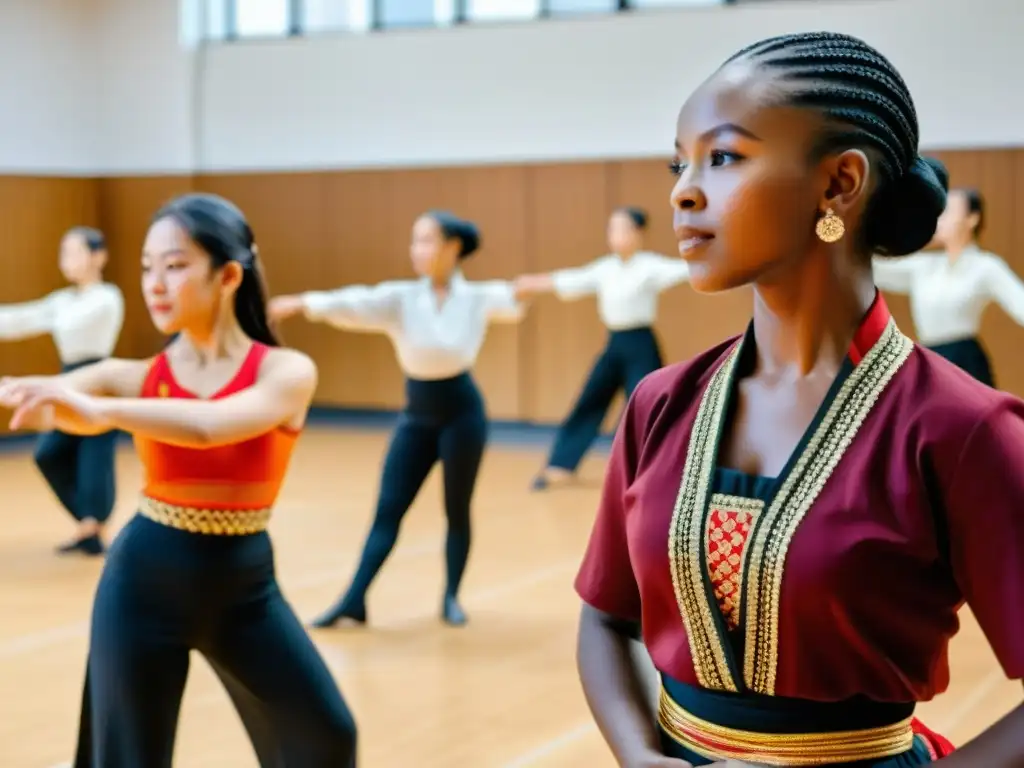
(85, 323)
(947, 298)
(432, 342)
(627, 290)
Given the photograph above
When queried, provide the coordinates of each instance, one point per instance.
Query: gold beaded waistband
(211, 522)
(718, 742)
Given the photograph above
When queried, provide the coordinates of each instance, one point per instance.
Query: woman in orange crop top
(215, 417)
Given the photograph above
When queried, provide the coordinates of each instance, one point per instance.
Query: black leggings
(444, 420)
(164, 593)
(80, 470)
(626, 359)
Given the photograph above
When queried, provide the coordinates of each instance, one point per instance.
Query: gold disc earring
(830, 227)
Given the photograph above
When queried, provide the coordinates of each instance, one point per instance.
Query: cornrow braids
(867, 105)
(850, 83)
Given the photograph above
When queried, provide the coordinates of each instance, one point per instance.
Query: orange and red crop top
(241, 476)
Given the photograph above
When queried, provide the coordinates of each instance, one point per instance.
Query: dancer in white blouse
(627, 282)
(437, 325)
(949, 291)
(85, 322)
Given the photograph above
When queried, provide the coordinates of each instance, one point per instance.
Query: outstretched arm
(28, 319)
(670, 272)
(1006, 289)
(502, 301)
(280, 397)
(567, 284)
(113, 377)
(356, 307)
(107, 378)
(530, 285)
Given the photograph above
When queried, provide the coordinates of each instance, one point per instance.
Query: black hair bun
(902, 215)
(469, 235)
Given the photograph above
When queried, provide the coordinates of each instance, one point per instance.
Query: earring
(830, 227)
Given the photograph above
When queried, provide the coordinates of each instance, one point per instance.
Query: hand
(283, 307)
(527, 285)
(33, 398)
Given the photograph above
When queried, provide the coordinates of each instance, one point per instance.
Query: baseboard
(502, 431)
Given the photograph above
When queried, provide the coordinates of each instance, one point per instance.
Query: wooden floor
(500, 693)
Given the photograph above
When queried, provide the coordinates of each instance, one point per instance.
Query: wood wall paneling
(326, 229)
(34, 214)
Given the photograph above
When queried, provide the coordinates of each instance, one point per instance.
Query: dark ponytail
(454, 228)
(218, 227)
(251, 304)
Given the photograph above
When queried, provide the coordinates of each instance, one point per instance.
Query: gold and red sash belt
(718, 742)
(210, 522)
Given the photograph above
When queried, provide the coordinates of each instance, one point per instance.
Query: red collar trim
(871, 329)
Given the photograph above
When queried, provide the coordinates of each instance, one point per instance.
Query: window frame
(376, 23)
(293, 27)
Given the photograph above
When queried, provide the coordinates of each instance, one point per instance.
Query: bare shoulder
(289, 365)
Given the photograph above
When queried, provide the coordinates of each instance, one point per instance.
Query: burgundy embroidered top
(842, 576)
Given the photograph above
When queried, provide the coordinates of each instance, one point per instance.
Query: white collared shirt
(947, 298)
(627, 290)
(85, 323)
(432, 342)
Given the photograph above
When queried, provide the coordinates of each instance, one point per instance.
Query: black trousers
(80, 470)
(443, 420)
(166, 592)
(626, 359)
(970, 356)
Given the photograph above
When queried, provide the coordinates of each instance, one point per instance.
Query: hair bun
(454, 227)
(469, 234)
(902, 216)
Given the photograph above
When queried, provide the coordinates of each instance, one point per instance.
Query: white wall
(146, 85)
(47, 87)
(595, 87)
(107, 86)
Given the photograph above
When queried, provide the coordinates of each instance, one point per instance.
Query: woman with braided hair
(792, 519)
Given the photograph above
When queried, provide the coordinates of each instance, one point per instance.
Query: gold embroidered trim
(686, 546)
(211, 522)
(765, 553)
(770, 540)
(718, 742)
